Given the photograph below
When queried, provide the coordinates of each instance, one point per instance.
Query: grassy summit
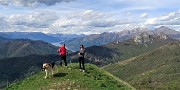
(72, 79)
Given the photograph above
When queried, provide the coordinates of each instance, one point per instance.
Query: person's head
(63, 45)
(81, 46)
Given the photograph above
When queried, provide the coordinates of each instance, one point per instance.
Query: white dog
(48, 68)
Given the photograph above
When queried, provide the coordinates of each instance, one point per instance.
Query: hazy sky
(87, 16)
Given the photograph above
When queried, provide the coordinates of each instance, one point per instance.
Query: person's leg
(61, 60)
(79, 62)
(83, 64)
(65, 61)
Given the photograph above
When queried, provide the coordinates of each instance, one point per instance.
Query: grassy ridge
(72, 79)
(156, 70)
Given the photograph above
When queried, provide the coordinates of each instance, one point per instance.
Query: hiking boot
(83, 71)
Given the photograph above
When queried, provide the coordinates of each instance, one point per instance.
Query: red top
(62, 51)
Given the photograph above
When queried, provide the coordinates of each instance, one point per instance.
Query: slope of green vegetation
(72, 79)
(25, 47)
(156, 70)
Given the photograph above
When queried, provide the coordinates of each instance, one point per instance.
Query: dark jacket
(81, 52)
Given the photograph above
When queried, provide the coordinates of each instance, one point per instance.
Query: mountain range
(108, 37)
(50, 38)
(23, 57)
(101, 39)
(119, 51)
(73, 41)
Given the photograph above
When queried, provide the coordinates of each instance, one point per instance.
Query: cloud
(169, 16)
(3, 23)
(87, 21)
(151, 21)
(169, 19)
(31, 2)
(33, 20)
(81, 22)
(84, 16)
(36, 21)
(144, 15)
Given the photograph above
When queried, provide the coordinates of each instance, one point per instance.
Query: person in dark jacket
(62, 53)
(81, 58)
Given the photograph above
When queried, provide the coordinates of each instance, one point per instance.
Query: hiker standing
(62, 53)
(81, 58)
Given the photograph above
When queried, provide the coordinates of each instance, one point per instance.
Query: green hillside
(119, 51)
(25, 47)
(72, 79)
(156, 70)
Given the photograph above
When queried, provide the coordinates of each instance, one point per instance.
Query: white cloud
(151, 21)
(31, 2)
(144, 15)
(169, 19)
(34, 20)
(87, 21)
(3, 23)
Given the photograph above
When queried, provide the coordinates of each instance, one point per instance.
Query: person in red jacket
(62, 53)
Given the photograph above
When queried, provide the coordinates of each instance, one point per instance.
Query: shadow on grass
(60, 74)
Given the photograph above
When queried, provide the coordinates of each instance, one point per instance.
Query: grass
(72, 79)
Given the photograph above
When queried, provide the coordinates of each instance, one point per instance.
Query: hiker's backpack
(62, 51)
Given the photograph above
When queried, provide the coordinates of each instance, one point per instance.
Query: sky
(87, 16)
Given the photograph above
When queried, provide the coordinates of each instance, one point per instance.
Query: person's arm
(58, 50)
(78, 53)
(66, 52)
(84, 53)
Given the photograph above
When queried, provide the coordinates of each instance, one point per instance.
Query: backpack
(62, 51)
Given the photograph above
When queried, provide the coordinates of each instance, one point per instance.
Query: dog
(49, 68)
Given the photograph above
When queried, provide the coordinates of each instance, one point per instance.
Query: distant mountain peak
(163, 27)
(167, 30)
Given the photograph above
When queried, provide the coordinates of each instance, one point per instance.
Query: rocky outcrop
(163, 36)
(142, 38)
(145, 37)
